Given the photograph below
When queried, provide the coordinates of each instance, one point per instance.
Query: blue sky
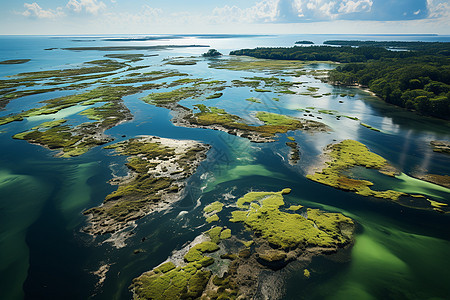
(225, 16)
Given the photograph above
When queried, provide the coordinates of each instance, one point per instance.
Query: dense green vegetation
(212, 53)
(432, 47)
(418, 79)
(323, 53)
(304, 43)
(419, 83)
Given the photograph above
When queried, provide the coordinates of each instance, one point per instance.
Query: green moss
(346, 155)
(196, 252)
(225, 234)
(248, 243)
(213, 218)
(179, 283)
(214, 234)
(238, 216)
(164, 268)
(291, 230)
(295, 207)
(214, 207)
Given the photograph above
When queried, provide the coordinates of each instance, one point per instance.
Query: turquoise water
(399, 252)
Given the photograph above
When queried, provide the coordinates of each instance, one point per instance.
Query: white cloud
(291, 11)
(35, 11)
(145, 16)
(90, 6)
(438, 9)
(355, 6)
(264, 11)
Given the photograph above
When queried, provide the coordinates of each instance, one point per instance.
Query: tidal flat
(154, 172)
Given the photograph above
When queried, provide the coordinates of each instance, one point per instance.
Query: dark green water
(399, 252)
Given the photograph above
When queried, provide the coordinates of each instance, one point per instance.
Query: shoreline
(158, 171)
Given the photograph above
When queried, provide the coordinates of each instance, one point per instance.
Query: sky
(68, 17)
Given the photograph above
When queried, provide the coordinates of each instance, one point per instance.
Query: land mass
(14, 61)
(417, 79)
(158, 169)
(218, 265)
(342, 157)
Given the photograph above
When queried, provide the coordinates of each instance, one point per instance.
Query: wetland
(153, 171)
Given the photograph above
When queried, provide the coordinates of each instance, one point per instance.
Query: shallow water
(399, 252)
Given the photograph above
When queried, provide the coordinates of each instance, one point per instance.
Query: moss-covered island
(218, 265)
(344, 156)
(219, 119)
(158, 169)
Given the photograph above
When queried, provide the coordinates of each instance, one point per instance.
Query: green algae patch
(158, 169)
(291, 230)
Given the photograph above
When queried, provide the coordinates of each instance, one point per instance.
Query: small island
(14, 61)
(219, 265)
(212, 53)
(304, 43)
(158, 168)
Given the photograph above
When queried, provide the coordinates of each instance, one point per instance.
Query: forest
(417, 78)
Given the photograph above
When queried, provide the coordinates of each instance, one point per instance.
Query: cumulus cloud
(355, 6)
(33, 10)
(90, 6)
(145, 16)
(438, 9)
(264, 11)
(292, 11)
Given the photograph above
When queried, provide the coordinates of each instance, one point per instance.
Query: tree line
(415, 79)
